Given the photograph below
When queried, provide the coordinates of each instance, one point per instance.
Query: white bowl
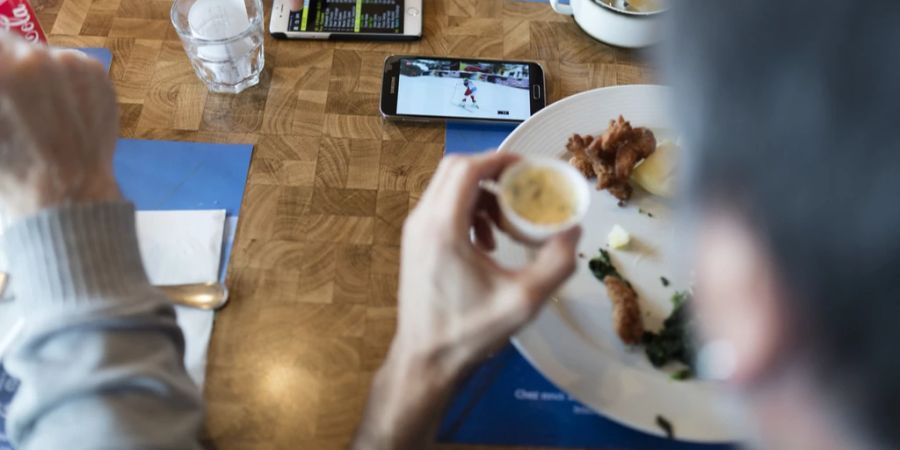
(534, 233)
(611, 25)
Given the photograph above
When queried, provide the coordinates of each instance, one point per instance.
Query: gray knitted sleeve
(100, 361)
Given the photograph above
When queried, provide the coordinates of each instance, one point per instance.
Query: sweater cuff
(76, 255)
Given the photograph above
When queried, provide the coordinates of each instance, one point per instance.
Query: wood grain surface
(314, 272)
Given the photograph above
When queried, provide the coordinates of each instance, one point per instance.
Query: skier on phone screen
(470, 92)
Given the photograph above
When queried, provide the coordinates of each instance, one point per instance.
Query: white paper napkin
(184, 247)
(177, 247)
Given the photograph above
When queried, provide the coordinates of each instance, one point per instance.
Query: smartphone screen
(464, 89)
(348, 16)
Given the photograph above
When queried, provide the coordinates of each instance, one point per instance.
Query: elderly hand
(58, 128)
(456, 303)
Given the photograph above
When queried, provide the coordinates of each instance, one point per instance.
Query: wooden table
(314, 272)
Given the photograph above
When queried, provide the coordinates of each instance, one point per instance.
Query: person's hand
(456, 303)
(295, 5)
(58, 128)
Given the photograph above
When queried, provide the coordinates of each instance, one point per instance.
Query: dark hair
(792, 112)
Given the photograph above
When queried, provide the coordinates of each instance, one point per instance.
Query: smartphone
(384, 20)
(427, 88)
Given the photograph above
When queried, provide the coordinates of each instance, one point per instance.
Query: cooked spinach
(601, 266)
(673, 342)
(680, 298)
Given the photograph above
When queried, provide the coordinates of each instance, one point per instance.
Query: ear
(738, 298)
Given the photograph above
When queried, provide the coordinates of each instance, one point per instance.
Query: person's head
(792, 115)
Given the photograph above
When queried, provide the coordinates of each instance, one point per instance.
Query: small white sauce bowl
(523, 229)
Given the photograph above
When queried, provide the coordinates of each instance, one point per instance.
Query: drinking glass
(224, 41)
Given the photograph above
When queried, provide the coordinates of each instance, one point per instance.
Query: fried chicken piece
(620, 148)
(613, 155)
(626, 310)
(641, 144)
(621, 191)
(618, 132)
(577, 146)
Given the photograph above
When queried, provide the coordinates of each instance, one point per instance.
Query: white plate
(572, 341)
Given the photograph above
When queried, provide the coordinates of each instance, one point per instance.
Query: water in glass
(224, 41)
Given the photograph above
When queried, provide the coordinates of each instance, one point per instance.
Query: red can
(18, 16)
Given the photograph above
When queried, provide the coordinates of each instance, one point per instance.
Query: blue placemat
(462, 138)
(161, 175)
(507, 402)
(166, 175)
(100, 54)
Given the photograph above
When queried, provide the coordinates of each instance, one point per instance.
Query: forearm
(407, 398)
(100, 362)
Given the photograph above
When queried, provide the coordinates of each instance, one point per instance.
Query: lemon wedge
(657, 173)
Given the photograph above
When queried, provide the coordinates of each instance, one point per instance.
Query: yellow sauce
(541, 196)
